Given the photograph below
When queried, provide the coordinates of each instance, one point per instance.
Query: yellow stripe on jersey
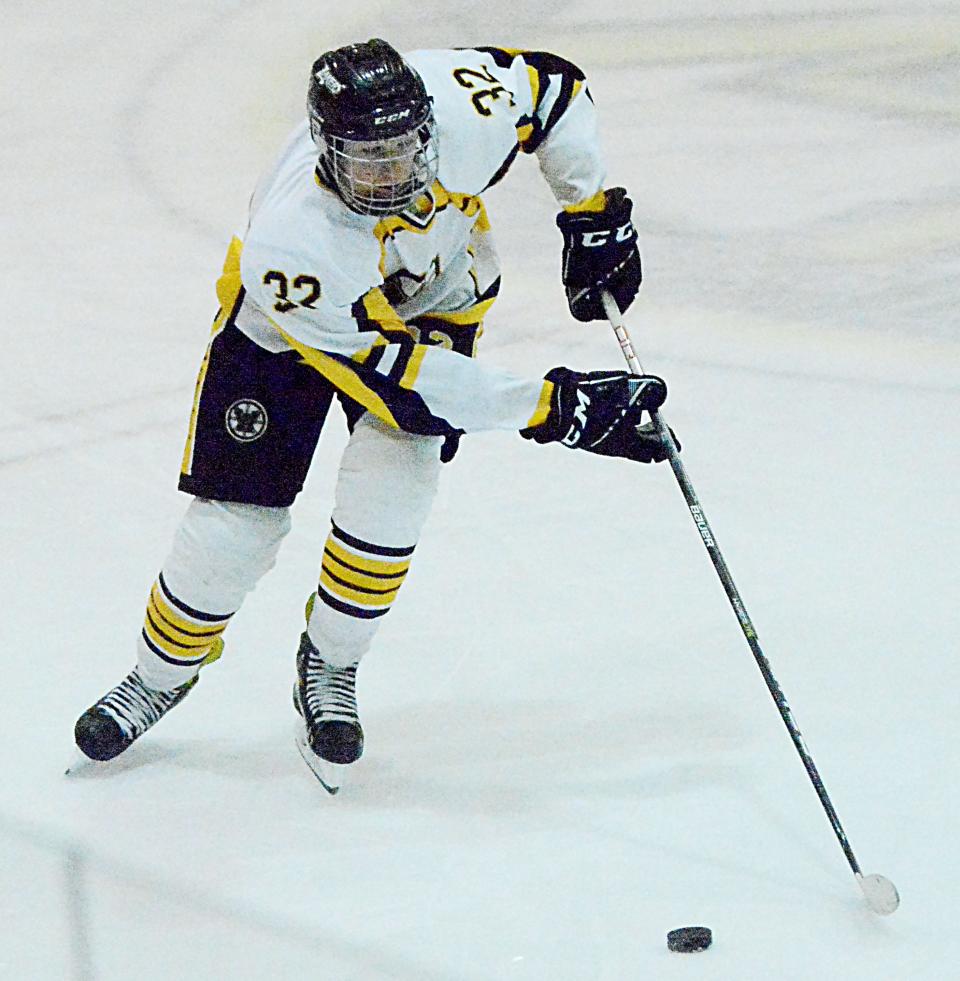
(229, 286)
(389, 226)
(470, 317)
(380, 314)
(410, 373)
(543, 405)
(425, 208)
(543, 68)
(346, 380)
(382, 567)
(361, 356)
(469, 204)
(534, 77)
(229, 283)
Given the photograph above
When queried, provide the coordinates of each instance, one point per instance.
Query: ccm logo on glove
(579, 420)
(600, 253)
(602, 412)
(593, 240)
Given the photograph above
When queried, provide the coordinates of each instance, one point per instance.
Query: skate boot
(126, 712)
(331, 737)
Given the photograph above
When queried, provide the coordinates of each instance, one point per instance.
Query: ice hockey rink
(570, 750)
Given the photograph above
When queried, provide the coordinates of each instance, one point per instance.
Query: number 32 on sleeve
(471, 78)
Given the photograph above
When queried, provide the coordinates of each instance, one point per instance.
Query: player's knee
(387, 483)
(374, 444)
(221, 549)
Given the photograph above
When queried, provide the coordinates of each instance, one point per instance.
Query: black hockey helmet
(372, 120)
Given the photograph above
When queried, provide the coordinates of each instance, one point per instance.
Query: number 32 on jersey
(305, 290)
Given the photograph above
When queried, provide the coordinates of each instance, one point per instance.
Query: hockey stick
(880, 892)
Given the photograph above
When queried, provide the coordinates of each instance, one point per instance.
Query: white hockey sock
(220, 551)
(385, 488)
(358, 584)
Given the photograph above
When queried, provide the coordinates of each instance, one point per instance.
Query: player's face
(385, 176)
(379, 169)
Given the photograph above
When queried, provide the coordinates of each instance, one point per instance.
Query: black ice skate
(126, 712)
(331, 737)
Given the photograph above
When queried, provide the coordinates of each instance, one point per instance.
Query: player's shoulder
(476, 84)
(479, 101)
(299, 228)
(440, 64)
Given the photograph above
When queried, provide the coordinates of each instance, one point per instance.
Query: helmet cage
(384, 176)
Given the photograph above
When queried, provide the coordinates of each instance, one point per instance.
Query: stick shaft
(730, 588)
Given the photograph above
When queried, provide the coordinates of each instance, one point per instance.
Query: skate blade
(330, 775)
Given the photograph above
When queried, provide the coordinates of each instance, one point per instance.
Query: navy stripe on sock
(361, 589)
(189, 610)
(171, 660)
(197, 631)
(398, 553)
(351, 611)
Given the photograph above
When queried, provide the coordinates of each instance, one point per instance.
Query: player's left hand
(600, 252)
(601, 412)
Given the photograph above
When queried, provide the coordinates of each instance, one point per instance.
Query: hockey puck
(685, 940)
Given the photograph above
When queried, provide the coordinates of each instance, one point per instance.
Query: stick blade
(881, 894)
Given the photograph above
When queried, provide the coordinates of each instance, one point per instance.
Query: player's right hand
(601, 412)
(600, 253)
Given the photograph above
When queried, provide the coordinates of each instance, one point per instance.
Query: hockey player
(365, 273)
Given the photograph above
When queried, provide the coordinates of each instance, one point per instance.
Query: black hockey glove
(600, 411)
(600, 252)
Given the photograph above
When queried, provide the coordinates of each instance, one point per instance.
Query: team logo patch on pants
(256, 419)
(246, 420)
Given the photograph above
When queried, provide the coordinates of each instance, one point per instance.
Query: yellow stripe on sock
(171, 648)
(342, 571)
(380, 566)
(154, 624)
(177, 621)
(355, 596)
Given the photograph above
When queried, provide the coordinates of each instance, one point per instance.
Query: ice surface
(569, 748)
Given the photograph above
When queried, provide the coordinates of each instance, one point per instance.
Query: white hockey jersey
(386, 308)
